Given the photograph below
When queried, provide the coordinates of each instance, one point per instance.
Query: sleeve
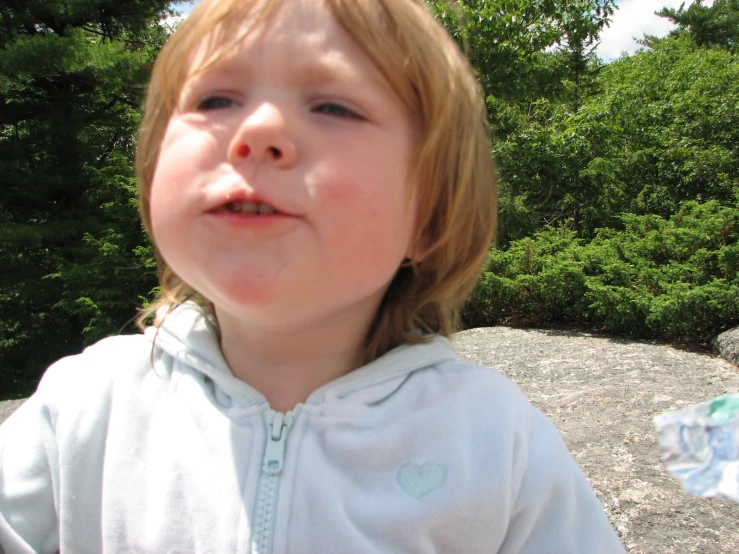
(28, 480)
(556, 510)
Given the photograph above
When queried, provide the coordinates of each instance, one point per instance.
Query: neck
(286, 364)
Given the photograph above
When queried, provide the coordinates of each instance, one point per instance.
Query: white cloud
(172, 21)
(632, 20)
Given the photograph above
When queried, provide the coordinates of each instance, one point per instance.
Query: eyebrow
(328, 69)
(331, 66)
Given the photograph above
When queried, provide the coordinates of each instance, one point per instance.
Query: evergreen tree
(716, 25)
(72, 252)
(526, 50)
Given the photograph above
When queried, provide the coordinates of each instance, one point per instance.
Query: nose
(263, 137)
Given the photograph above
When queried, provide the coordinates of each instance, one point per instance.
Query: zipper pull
(274, 452)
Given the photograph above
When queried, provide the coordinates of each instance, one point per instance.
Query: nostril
(276, 154)
(243, 150)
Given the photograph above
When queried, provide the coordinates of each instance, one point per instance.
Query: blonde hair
(454, 171)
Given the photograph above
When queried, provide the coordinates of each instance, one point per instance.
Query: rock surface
(726, 345)
(602, 394)
(8, 407)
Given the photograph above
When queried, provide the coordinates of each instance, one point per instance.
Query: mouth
(246, 208)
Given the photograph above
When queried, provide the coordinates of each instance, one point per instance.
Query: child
(316, 177)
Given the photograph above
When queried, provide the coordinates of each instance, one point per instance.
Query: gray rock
(603, 393)
(726, 345)
(7, 407)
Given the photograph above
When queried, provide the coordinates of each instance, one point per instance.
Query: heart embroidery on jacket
(420, 481)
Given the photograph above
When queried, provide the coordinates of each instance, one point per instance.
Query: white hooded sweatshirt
(125, 448)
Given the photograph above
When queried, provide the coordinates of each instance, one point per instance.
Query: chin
(246, 299)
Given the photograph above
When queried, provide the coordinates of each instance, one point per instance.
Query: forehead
(299, 32)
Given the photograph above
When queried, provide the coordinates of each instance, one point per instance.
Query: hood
(190, 335)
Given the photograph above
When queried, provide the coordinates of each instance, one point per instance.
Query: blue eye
(214, 103)
(337, 111)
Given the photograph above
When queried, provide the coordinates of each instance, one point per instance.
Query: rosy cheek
(339, 189)
(172, 170)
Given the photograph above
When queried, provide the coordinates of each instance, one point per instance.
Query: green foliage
(524, 50)
(71, 82)
(674, 105)
(113, 272)
(675, 278)
(715, 25)
(662, 129)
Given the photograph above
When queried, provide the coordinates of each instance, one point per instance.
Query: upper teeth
(241, 207)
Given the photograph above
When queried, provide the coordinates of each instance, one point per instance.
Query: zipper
(278, 428)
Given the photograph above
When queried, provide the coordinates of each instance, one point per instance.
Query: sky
(633, 19)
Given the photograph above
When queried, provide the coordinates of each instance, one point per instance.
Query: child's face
(297, 121)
